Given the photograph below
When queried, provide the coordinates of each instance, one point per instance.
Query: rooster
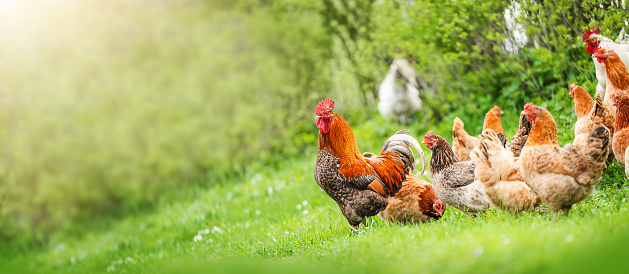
(360, 186)
(594, 40)
(499, 171)
(463, 143)
(453, 180)
(561, 177)
(620, 141)
(399, 92)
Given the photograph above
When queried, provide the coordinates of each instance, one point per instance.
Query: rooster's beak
(318, 117)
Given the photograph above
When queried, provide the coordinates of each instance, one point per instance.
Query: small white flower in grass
(270, 190)
(217, 229)
(198, 237)
(119, 261)
(305, 212)
(206, 231)
(111, 268)
(229, 196)
(257, 212)
(193, 248)
(73, 260)
(569, 238)
(209, 240)
(305, 203)
(479, 251)
(129, 260)
(285, 232)
(298, 206)
(269, 234)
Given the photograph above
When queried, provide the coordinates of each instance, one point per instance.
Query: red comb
(324, 105)
(527, 106)
(428, 134)
(589, 32)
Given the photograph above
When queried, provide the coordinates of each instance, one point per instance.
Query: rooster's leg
(356, 227)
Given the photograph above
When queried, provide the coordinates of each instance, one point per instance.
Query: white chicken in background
(399, 92)
(593, 39)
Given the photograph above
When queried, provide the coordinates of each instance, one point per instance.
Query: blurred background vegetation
(107, 107)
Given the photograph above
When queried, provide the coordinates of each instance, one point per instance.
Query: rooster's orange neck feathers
(583, 102)
(616, 71)
(544, 130)
(341, 141)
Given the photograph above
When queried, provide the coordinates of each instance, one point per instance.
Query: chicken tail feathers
(599, 109)
(493, 161)
(458, 128)
(400, 144)
(598, 141)
(519, 139)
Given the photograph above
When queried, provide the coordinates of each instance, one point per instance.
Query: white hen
(593, 39)
(399, 92)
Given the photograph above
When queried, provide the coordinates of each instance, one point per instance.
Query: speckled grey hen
(360, 186)
(453, 180)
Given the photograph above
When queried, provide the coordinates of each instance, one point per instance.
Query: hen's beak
(424, 141)
(318, 117)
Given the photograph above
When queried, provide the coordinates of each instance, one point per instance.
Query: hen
(590, 113)
(564, 176)
(360, 186)
(620, 141)
(453, 180)
(399, 91)
(594, 40)
(617, 76)
(463, 143)
(415, 202)
(499, 172)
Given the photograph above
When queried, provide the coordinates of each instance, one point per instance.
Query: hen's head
(497, 111)
(325, 115)
(531, 111)
(621, 99)
(601, 55)
(430, 140)
(591, 42)
(571, 88)
(439, 207)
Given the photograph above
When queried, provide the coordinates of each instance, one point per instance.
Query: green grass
(277, 218)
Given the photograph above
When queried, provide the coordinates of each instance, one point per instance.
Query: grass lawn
(277, 219)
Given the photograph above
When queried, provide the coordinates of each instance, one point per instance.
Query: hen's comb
(325, 105)
(589, 32)
(428, 134)
(527, 106)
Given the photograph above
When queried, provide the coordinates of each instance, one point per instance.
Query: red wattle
(323, 126)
